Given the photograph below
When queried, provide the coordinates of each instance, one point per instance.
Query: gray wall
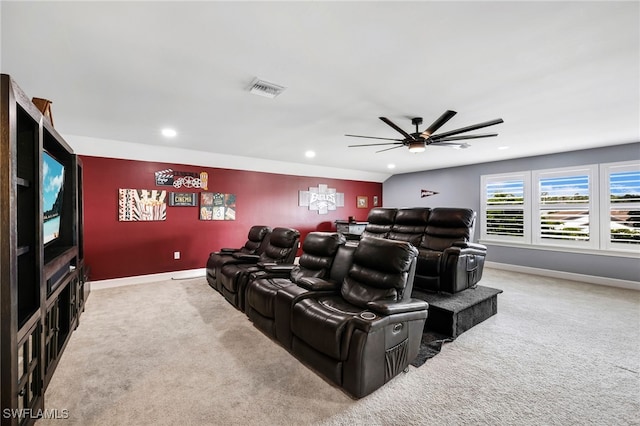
(460, 187)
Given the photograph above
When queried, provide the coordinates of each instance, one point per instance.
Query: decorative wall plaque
(183, 199)
(169, 177)
(322, 199)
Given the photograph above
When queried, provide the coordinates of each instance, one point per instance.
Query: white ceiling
(562, 75)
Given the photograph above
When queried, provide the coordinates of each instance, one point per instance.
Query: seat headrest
(381, 216)
(416, 216)
(322, 243)
(258, 232)
(450, 217)
(283, 237)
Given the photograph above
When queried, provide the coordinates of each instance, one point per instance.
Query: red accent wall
(116, 249)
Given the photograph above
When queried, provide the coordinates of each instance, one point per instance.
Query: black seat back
(380, 220)
(381, 270)
(410, 225)
(281, 247)
(318, 252)
(257, 235)
(447, 225)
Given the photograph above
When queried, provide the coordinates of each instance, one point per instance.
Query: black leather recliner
(363, 330)
(254, 245)
(319, 250)
(448, 261)
(380, 221)
(409, 225)
(281, 248)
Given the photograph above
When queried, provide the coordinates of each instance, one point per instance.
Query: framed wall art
(217, 206)
(362, 202)
(142, 205)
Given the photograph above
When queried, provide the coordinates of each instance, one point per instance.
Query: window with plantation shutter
(621, 206)
(563, 207)
(504, 210)
(582, 209)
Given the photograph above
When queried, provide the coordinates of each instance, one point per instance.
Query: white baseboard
(196, 273)
(591, 279)
(143, 279)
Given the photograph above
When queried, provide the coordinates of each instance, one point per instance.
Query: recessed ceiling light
(310, 154)
(391, 166)
(169, 133)
(503, 147)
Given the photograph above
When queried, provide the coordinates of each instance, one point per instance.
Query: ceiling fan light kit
(418, 141)
(416, 147)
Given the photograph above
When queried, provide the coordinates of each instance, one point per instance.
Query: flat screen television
(52, 186)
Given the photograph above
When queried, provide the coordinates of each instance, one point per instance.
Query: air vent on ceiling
(264, 88)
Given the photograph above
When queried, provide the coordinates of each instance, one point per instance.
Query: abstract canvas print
(141, 205)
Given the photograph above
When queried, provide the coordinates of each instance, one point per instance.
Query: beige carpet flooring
(176, 353)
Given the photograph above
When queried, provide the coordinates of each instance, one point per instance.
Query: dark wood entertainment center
(43, 286)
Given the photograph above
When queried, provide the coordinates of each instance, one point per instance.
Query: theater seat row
(448, 259)
(345, 311)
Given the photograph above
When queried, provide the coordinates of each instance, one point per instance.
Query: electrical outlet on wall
(176, 255)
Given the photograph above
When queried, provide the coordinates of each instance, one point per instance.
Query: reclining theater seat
(319, 250)
(380, 220)
(447, 260)
(410, 225)
(281, 247)
(368, 332)
(289, 295)
(254, 245)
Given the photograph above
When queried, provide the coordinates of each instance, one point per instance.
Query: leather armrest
(390, 308)
(371, 321)
(317, 284)
(228, 250)
(248, 258)
(468, 244)
(277, 267)
(460, 248)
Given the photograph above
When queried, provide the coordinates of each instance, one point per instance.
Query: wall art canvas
(321, 199)
(217, 206)
(142, 205)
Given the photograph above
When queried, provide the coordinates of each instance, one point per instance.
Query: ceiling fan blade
(398, 129)
(438, 123)
(382, 150)
(376, 144)
(374, 137)
(467, 129)
(459, 138)
(459, 145)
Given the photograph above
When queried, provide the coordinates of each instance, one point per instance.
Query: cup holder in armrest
(367, 315)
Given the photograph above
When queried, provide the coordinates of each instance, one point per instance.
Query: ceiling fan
(418, 141)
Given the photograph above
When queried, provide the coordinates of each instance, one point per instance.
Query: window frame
(591, 171)
(606, 169)
(525, 177)
(599, 211)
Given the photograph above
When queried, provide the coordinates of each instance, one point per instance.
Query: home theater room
(319, 213)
